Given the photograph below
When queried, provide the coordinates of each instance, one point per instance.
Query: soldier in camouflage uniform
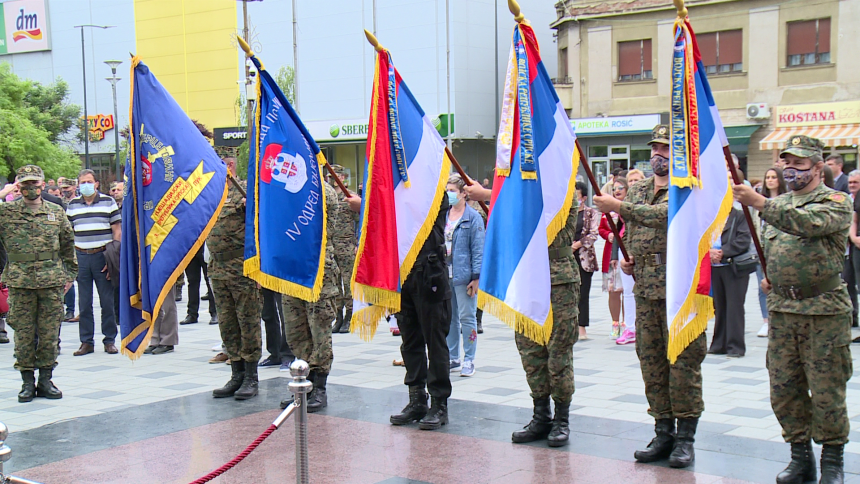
(40, 248)
(549, 369)
(808, 356)
(308, 324)
(240, 302)
(673, 391)
(342, 236)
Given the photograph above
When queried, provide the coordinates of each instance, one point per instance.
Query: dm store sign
(23, 26)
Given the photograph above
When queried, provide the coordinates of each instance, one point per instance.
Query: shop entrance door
(620, 157)
(600, 167)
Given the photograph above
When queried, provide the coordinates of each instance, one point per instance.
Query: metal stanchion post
(5, 451)
(300, 386)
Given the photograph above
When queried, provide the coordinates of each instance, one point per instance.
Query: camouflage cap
(803, 146)
(68, 183)
(660, 134)
(30, 173)
(339, 169)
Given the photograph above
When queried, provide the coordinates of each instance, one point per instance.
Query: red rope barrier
(226, 467)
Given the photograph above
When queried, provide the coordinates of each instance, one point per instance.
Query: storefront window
(640, 159)
(600, 151)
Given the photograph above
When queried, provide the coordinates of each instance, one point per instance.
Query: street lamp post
(84, 66)
(113, 80)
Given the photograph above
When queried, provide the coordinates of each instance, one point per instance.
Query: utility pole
(295, 61)
(248, 103)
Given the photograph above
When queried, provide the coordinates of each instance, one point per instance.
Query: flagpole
(465, 177)
(337, 180)
(583, 162)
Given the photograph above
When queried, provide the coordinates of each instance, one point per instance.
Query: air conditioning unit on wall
(758, 111)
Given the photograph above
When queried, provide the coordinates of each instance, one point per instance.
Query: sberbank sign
(338, 129)
(360, 129)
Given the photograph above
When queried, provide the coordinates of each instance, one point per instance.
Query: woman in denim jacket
(464, 239)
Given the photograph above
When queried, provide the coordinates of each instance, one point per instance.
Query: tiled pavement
(608, 382)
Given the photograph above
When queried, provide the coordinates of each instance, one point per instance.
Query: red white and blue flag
(700, 197)
(406, 171)
(536, 165)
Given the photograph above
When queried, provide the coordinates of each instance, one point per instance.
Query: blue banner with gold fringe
(175, 187)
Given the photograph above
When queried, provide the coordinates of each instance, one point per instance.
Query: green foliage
(33, 120)
(242, 160)
(286, 80)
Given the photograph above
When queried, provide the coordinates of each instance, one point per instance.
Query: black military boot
(560, 432)
(802, 465)
(318, 399)
(292, 397)
(250, 383)
(338, 322)
(415, 410)
(235, 382)
(28, 389)
(540, 426)
(45, 388)
(437, 416)
(347, 320)
(683, 453)
(661, 445)
(831, 464)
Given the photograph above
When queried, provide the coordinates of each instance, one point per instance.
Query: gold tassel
(517, 321)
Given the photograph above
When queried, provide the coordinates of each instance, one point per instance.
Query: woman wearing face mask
(611, 273)
(464, 240)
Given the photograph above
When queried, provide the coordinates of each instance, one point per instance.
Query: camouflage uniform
(808, 355)
(549, 369)
(308, 324)
(673, 391)
(240, 302)
(341, 233)
(41, 259)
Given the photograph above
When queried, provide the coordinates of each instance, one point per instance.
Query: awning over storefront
(740, 135)
(832, 136)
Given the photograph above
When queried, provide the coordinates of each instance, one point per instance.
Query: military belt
(229, 255)
(92, 251)
(797, 293)
(32, 256)
(654, 259)
(560, 253)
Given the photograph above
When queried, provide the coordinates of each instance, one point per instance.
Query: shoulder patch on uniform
(837, 197)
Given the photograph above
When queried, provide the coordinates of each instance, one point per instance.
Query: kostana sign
(24, 26)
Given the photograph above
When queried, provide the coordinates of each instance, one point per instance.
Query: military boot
(560, 432)
(540, 426)
(437, 416)
(683, 453)
(338, 322)
(235, 382)
(831, 464)
(45, 388)
(802, 465)
(347, 320)
(661, 445)
(415, 410)
(250, 384)
(318, 399)
(28, 389)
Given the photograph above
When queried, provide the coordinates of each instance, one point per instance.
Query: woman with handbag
(587, 222)
(611, 270)
(732, 262)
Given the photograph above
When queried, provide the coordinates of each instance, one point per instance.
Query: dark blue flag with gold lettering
(175, 187)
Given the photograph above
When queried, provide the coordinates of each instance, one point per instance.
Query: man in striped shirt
(95, 219)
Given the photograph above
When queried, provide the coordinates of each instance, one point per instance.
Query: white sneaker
(468, 369)
(762, 333)
(217, 348)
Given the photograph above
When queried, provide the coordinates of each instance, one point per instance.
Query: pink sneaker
(626, 338)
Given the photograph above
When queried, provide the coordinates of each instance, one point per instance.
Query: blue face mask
(452, 198)
(88, 189)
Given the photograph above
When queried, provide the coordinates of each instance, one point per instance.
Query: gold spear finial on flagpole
(245, 46)
(682, 10)
(514, 7)
(373, 41)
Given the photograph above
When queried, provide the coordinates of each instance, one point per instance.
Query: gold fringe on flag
(517, 321)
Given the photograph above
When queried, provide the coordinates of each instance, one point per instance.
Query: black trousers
(273, 319)
(424, 320)
(850, 278)
(729, 292)
(584, 291)
(192, 272)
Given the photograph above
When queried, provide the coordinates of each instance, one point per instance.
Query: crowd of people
(800, 210)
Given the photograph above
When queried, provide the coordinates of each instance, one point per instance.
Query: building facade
(775, 69)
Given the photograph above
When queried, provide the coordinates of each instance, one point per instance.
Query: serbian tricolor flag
(536, 164)
(406, 171)
(700, 198)
(285, 215)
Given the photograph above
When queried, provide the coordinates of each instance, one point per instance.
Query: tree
(286, 80)
(33, 120)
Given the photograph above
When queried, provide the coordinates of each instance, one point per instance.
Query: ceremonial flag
(406, 171)
(536, 165)
(285, 225)
(700, 198)
(175, 186)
